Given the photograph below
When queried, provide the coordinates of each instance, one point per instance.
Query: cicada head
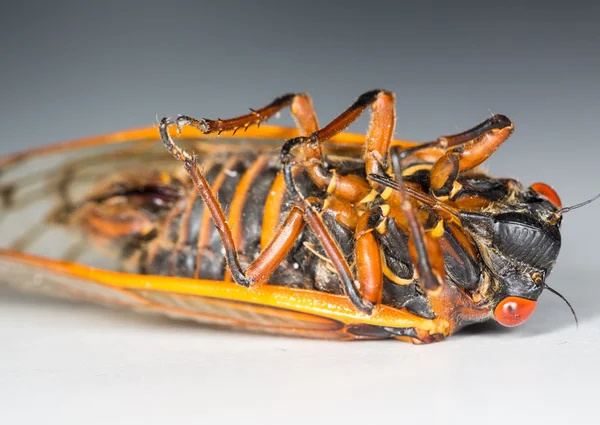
(519, 247)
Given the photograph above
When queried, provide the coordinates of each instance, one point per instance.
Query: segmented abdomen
(187, 243)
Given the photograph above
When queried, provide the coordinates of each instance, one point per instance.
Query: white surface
(82, 364)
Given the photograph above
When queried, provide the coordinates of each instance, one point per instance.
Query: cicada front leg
(348, 191)
(466, 151)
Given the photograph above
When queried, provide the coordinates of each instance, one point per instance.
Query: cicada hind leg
(374, 202)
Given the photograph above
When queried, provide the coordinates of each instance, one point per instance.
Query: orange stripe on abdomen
(272, 211)
(239, 200)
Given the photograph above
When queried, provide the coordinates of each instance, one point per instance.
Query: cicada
(308, 232)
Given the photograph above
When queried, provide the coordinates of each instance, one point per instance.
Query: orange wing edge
(145, 292)
(268, 132)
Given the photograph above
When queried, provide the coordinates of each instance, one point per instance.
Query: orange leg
(269, 259)
(369, 264)
(366, 289)
(276, 250)
(465, 151)
(334, 253)
(305, 117)
(350, 188)
(300, 105)
(425, 250)
(445, 142)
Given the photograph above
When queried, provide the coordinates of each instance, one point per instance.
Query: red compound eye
(512, 311)
(548, 193)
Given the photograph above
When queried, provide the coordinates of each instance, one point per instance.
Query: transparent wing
(195, 301)
(36, 186)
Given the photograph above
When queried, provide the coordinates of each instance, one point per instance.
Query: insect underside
(313, 233)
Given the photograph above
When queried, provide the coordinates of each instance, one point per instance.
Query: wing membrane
(40, 276)
(36, 186)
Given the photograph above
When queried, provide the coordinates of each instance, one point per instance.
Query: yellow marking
(438, 231)
(332, 183)
(272, 210)
(385, 209)
(456, 186)
(312, 249)
(413, 169)
(364, 232)
(165, 178)
(147, 230)
(381, 227)
(394, 277)
(387, 193)
(369, 198)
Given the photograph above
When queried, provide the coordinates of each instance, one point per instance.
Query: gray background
(73, 70)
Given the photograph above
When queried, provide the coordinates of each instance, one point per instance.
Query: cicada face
(519, 249)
